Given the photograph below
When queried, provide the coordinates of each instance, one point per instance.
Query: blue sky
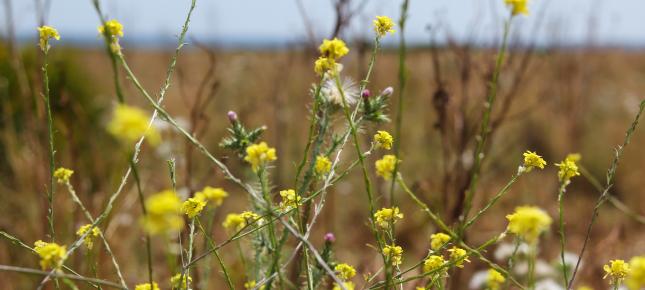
(613, 22)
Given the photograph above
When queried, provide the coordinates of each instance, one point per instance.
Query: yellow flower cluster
(394, 254)
(458, 256)
(636, 278)
(45, 33)
(323, 165)
(494, 280)
(51, 254)
(518, 6)
(89, 239)
(180, 282)
(259, 154)
(163, 213)
(567, 169)
(434, 263)
(383, 25)
(528, 222)
(385, 166)
(387, 216)
(330, 51)
(128, 124)
(212, 195)
(289, 199)
(237, 222)
(617, 270)
(112, 28)
(147, 286)
(193, 206)
(384, 140)
(531, 160)
(62, 175)
(345, 271)
(438, 240)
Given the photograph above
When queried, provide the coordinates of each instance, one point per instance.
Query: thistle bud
(330, 238)
(232, 117)
(365, 94)
(387, 92)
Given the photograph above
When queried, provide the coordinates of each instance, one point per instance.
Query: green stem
(494, 200)
(531, 261)
(262, 175)
(402, 84)
(50, 132)
(135, 174)
(484, 130)
(211, 245)
(562, 234)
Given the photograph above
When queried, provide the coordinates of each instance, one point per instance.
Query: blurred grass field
(570, 100)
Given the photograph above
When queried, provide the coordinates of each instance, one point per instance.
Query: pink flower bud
(365, 94)
(232, 116)
(330, 238)
(387, 92)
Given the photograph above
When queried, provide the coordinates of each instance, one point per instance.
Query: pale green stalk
(137, 182)
(88, 215)
(90, 281)
(402, 84)
(211, 245)
(561, 192)
(50, 134)
(484, 130)
(611, 173)
(532, 255)
(494, 200)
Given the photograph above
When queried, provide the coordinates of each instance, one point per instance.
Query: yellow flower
(146, 286)
(528, 222)
(567, 170)
(250, 284)
(51, 254)
(333, 49)
(213, 195)
(394, 254)
(112, 28)
(384, 140)
(458, 256)
(575, 157)
(345, 271)
(180, 282)
(386, 216)
(531, 160)
(348, 286)
(494, 280)
(237, 222)
(433, 263)
(289, 199)
(385, 166)
(383, 25)
(585, 287)
(89, 239)
(46, 33)
(323, 65)
(636, 278)
(128, 124)
(518, 6)
(62, 175)
(234, 221)
(193, 206)
(420, 288)
(258, 154)
(617, 270)
(438, 240)
(323, 165)
(163, 213)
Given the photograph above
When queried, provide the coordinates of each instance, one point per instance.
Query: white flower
(548, 284)
(478, 280)
(505, 250)
(332, 94)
